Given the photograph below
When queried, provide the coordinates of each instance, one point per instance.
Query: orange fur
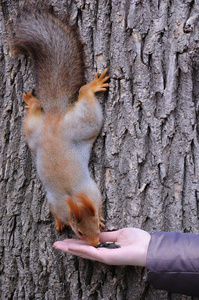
(100, 218)
(87, 204)
(32, 101)
(97, 85)
(34, 114)
(74, 209)
(55, 162)
(59, 225)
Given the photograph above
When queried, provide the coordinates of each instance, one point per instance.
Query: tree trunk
(145, 160)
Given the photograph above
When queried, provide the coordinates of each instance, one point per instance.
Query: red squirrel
(63, 121)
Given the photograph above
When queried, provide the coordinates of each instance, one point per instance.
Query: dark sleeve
(173, 262)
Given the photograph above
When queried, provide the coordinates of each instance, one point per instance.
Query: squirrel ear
(74, 209)
(87, 204)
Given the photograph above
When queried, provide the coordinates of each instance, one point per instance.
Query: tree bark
(145, 160)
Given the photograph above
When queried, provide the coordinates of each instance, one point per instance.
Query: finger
(79, 249)
(64, 246)
(109, 236)
(65, 243)
(61, 245)
(75, 241)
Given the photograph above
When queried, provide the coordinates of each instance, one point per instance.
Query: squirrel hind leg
(27, 97)
(97, 85)
(99, 82)
(31, 101)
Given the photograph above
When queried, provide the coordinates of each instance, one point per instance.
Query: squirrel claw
(101, 220)
(32, 102)
(102, 225)
(59, 225)
(98, 84)
(27, 97)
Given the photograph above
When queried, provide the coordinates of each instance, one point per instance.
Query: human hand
(134, 244)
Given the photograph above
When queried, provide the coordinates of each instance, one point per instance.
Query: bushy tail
(57, 54)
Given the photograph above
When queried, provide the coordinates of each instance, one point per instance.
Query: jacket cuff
(173, 262)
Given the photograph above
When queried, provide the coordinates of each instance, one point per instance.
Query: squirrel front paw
(59, 225)
(101, 220)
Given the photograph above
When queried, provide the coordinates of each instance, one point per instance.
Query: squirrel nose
(94, 242)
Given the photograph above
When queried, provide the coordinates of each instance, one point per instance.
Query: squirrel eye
(80, 233)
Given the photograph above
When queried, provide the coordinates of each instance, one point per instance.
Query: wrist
(145, 249)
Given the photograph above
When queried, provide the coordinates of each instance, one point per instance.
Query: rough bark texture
(146, 159)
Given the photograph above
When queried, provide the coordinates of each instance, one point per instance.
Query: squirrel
(62, 120)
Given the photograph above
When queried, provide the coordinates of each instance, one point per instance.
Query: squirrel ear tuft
(87, 204)
(74, 209)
